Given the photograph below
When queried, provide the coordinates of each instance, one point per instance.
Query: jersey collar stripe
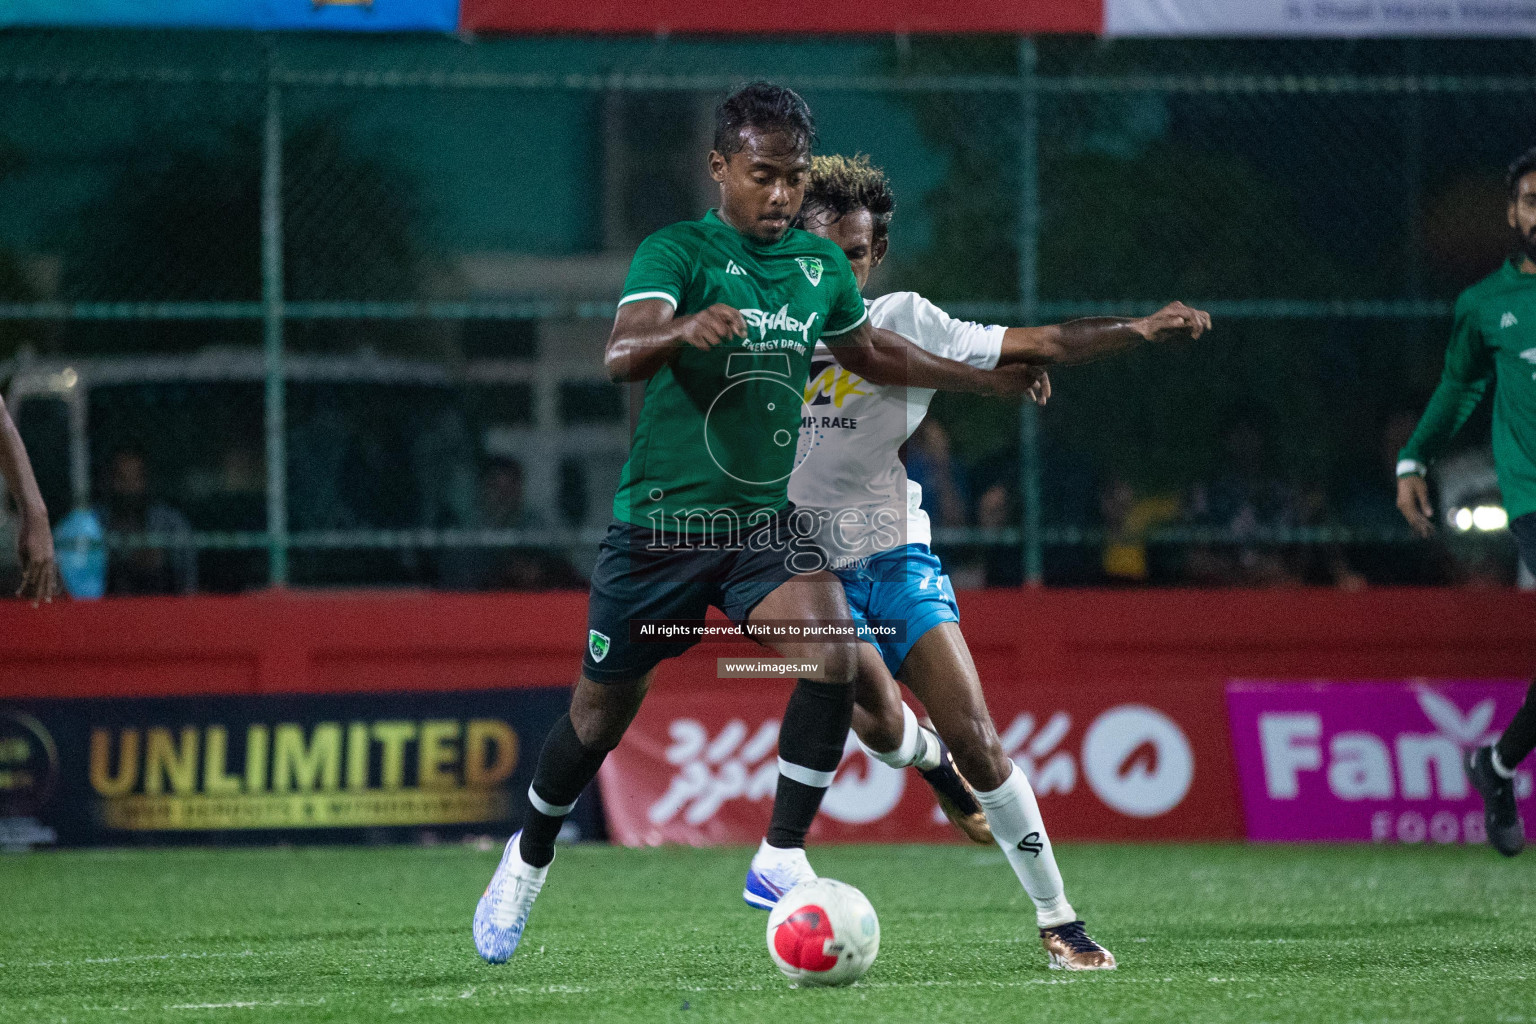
(853, 326)
(638, 296)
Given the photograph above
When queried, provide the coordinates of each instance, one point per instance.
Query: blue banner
(325, 15)
(315, 768)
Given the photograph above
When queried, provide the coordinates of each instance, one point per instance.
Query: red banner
(784, 16)
(1115, 761)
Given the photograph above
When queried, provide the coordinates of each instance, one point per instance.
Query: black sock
(565, 768)
(810, 745)
(1520, 738)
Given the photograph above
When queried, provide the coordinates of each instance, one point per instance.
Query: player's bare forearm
(17, 470)
(1095, 337)
(1076, 341)
(884, 357)
(646, 336)
(34, 540)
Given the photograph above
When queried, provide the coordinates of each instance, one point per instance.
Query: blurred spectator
(236, 502)
(318, 450)
(443, 461)
(1128, 520)
(931, 465)
(1367, 500)
(501, 498)
(502, 507)
(996, 509)
(1246, 495)
(443, 464)
(131, 509)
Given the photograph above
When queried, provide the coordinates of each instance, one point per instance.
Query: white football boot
(502, 913)
(773, 873)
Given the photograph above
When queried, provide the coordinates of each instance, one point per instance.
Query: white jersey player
(874, 529)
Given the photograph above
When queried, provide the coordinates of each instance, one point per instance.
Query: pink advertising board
(1367, 761)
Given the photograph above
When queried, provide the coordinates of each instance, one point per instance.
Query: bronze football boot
(1071, 949)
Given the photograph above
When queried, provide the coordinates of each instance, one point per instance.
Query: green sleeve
(661, 269)
(1468, 369)
(848, 310)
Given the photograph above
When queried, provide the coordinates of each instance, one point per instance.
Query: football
(823, 932)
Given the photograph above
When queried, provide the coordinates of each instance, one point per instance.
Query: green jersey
(720, 431)
(1494, 336)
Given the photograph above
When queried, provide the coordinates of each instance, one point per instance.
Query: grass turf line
(1203, 933)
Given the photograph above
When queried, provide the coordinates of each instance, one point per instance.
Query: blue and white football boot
(502, 913)
(773, 873)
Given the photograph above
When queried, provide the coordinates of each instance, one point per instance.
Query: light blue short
(904, 586)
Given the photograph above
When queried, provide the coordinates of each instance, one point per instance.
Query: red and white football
(823, 932)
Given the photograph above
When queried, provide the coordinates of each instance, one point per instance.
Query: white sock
(912, 742)
(1498, 766)
(772, 856)
(929, 751)
(1016, 825)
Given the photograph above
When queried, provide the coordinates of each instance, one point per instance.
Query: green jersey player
(719, 317)
(1493, 341)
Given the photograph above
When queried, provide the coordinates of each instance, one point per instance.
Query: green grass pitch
(1203, 933)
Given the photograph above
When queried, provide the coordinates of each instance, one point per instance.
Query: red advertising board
(783, 16)
(1067, 672)
(1118, 761)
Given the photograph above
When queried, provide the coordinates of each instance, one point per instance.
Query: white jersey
(851, 476)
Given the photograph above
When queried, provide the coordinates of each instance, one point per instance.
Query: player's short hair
(766, 107)
(1524, 164)
(841, 184)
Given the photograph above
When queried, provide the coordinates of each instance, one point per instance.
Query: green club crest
(598, 645)
(812, 267)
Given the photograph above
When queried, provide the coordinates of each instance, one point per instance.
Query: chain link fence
(330, 311)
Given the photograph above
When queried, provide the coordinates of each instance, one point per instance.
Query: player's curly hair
(766, 107)
(1524, 164)
(841, 184)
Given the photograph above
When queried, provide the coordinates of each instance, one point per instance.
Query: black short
(1524, 530)
(639, 577)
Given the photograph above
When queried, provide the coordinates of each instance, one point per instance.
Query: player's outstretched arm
(884, 357)
(646, 335)
(1082, 341)
(34, 540)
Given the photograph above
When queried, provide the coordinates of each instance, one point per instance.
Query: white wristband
(1414, 466)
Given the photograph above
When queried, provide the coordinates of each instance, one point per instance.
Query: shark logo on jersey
(812, 267)
(1507, 320)
(763, 321)
(732, 268)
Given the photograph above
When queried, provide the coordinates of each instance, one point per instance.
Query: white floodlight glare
(1483, 518)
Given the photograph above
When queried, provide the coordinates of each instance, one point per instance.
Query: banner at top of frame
(324, 15)
(785, 16)
(1321, 18)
